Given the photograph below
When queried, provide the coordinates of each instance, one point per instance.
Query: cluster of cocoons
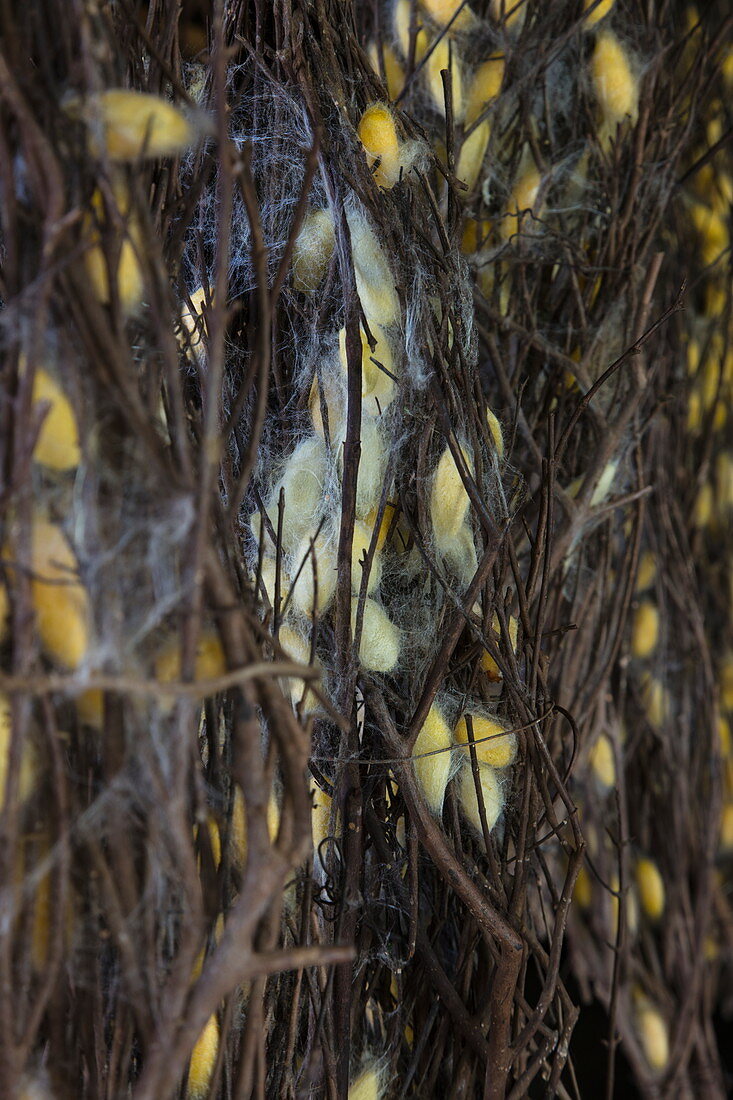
(314, 246)
(302, 505)
(439, 752)
(126, 126)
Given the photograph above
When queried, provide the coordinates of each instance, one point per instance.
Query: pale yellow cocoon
(303, 481)
(713, 230)
(372, 467)
(359, 549)
(377, 387)
(26, 778)
(647, 572)
(487, 662)
(496, 746)
(491, 791)
(433, 772)
(402, 14)
(484, 87)
(60, 601)
(128, 273)
(298, 649)
(496, 433)
(371, 519)
(695, 412)
(645, 630)
(379, 648)
(304, 594)
(193, 330)
(132, 125)
(209, 664)
(238, 827)
(394, 73)
(214, 839)
(616, 87)
(57, 446)
(711, 389)
(521, 204)
(449, 501)
(651, 1032)
(602, 762)
(375, 282)
(655, 700)
(603, 485)
(600, 11)
(650, 886)
(203, 1060)
(378, 134)
(471, 156)
(368, 1085)
(693, 357)
(320, 816)
(312, 250)
(90, 707)
(459, 555)
(475, 236)
(334, 394)
(443, 57)
(726, 67)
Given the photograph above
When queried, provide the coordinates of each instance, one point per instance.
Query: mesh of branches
(220, 872)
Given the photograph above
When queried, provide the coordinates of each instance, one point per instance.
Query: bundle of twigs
(365, 589)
